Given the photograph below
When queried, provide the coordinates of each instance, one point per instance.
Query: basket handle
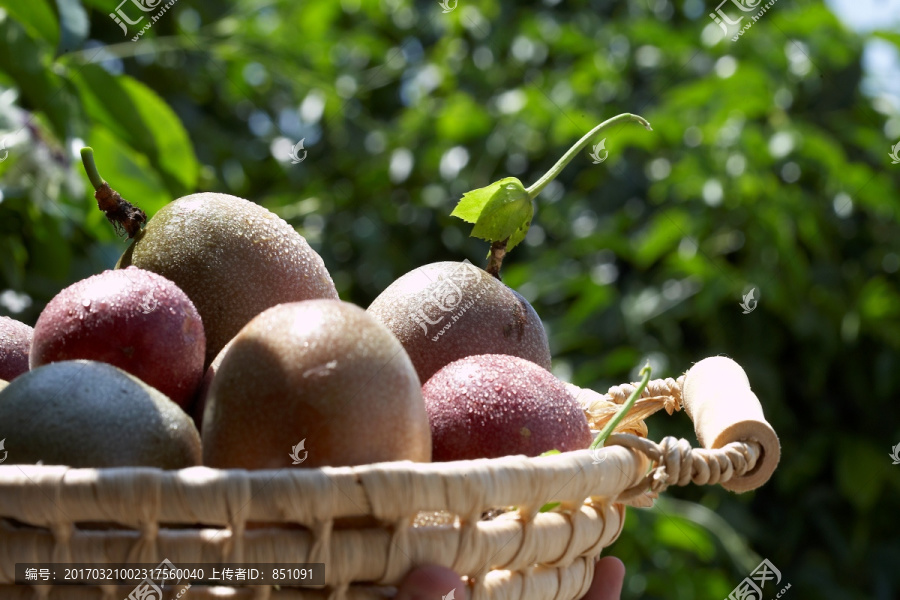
(717, 397)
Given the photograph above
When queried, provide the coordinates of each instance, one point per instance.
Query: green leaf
(463, 119)
(26, 61)
(134, 113)
(520, 233)
(879, 301)
(12, 267)
(101, 5)
(661, 237)
(860, 471)
(50, 257)
(677, 532)
(472, 204)
(37, 17)
(499, 211)
(74, 25)
(890, 36)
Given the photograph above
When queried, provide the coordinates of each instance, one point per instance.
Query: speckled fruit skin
(445, 311)
(490, 406)
(15, 345)
(130, 318)
(232, 257)
(90, 414)
(322, 371)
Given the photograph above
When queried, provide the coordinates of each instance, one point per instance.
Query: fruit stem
(125, 216)
(617, 418)
(90, 167)
(495, 260)
(550, 175)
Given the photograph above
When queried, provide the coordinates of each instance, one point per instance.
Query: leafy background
(767, 169)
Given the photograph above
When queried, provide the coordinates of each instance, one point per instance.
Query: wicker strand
(656, 387)
(677, 463)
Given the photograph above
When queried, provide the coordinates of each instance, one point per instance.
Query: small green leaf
(551, 452)
(499, 211)
(473, 203)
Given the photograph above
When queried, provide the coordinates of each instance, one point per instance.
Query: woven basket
(423, 513)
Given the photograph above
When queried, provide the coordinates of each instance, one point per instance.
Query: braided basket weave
(417, 513)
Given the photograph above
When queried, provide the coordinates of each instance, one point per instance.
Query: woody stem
(495, 260)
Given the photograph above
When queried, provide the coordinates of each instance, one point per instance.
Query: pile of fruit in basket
(219, 339)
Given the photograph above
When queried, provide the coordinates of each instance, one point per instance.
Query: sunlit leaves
(37, 16)
(140, 118)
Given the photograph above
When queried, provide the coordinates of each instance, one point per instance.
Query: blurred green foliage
(767, 168)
